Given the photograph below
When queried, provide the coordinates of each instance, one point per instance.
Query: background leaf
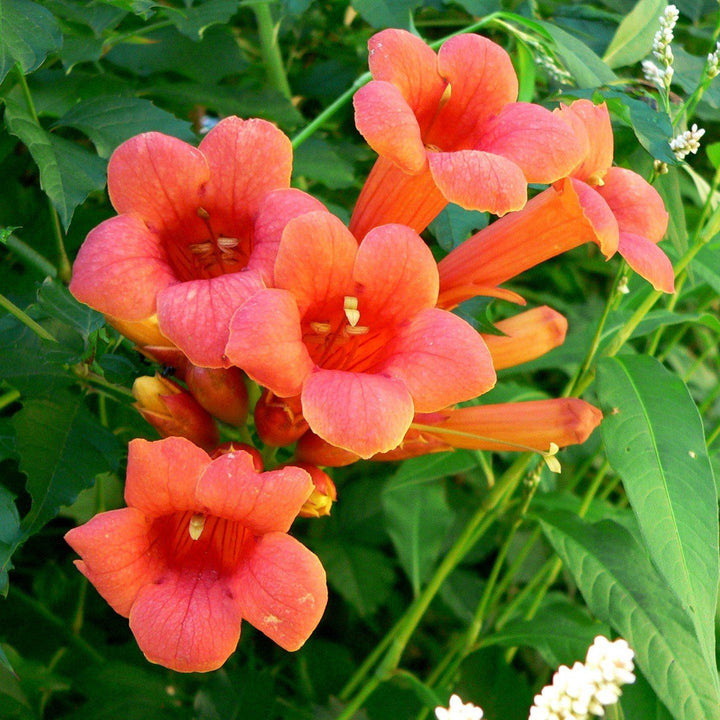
(633, 38)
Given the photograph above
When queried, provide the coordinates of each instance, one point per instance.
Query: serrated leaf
(668, 478)
(68, 172)
(110, 120)
(194, 21)
(28, 32)
(622, 588)
(62, 448)
(634, 37)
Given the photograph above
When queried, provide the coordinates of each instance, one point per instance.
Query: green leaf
(668, 186)
(634, 37)
(28, 32)
(316, 159)
(417, 516)
(454, 225)
(9, 533)
(387, 13)
(194, 21)
(622, 588)
(62, 448)
(68, 172)
(668, 478)
(55, 299)
(110, 120)
(582, 63)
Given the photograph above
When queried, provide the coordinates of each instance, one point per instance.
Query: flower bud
(279, 421)
(231, 447)
(174, 411)
(313, 449)
(220, 391)
(323, 496)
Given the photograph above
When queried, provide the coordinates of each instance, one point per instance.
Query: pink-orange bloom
(221, 391)
(190, 220)
(201, 546)
(638, 208)
(507, 427)
(527, 336)
(448, 128)
(355, 332)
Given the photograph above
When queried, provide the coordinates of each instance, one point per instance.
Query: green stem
(270, 49)
(25, 319)
(64, 270)
(713, 436)
(30, 257)
(8, 398)
(94, 379)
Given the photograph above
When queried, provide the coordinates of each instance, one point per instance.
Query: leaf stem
(9, 398)
(30, 257)
(270, 49)
(25, 319)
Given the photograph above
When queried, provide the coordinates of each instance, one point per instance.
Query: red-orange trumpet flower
(201, 546)
(448, 128)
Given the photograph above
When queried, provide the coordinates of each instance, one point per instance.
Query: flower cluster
(587, 688)
(215, 267)
(687, 142)
(713, 62)
(663, 40)
(457, 710)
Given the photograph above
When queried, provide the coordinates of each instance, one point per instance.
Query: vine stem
(25, 319)
(64, 269)
(30, 257)
(270, 49)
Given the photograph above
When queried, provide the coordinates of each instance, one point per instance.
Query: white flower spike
(457, 710)
(687, 142)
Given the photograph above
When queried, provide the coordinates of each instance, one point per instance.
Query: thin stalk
(31, 258)
(94, 379)
(9, 398)
(713, 436)
(270, 49)
(25, 319)
(64, 269)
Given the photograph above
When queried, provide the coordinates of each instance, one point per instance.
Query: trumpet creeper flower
(355, 332)
(201, 546)
(448, 128)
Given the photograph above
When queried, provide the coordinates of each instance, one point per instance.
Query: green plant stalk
(709, 299)
(271, 50)
(713, 436)
(31, 258)
(8, 398)
(478, 524)
(64, 270)
(25, 319)
(94, 379)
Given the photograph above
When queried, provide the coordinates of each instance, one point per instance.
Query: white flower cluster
(459, 711)
(587, 688)
(687, 142)
(653, 73)
(662, 41)
(713, 62)
(550, 65)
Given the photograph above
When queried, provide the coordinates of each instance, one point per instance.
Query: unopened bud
(279, 421)
(173, 411)
(323, 495)
(233, 447)
(220, 391)
(315, 450)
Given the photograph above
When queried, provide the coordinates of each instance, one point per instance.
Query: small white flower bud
(687, 142)
(457, 710)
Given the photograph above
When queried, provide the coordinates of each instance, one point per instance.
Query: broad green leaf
(634, 36)
(560, 632)
(9, 533)
(640, 701)
(68, 172)
(622, 588)
(110, 120)
(707, 265)
(62, 448)
(583, 64)
(454, 225)
(668, 478)
(195, 20)
(417, 516)
(55, 299)
(28, 32)
(669, 188)
(222, 698)
(316, 159)
(387, 13)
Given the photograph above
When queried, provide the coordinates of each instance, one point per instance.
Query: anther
(227, 243)
(201, 248)
(321, 328)
(203, 213)
(357, 330)
(446, 94)
(350, 306)
(197, 525)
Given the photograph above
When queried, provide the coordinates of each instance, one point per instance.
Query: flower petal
(315, 262)
(162, 475)
(441, 360)
(161, 179)
(478, 180)
(247, 159)
(636, 204)
(313, 449)
(648, 260)
(539, 142)
(397, 275)
(121, 268)
(282, 590)
(264, 502)
(196, 315)
(403, 59)
(387, 122)
(276, 211)
(482, 81)
(116, 555)
(189, 622)
(266, 342)
(598, 214)
(364, 414)
(592, 123)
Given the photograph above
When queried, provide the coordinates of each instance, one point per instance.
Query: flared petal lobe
(648, 260)
(363, 413)
(282, 590)
(441, 360)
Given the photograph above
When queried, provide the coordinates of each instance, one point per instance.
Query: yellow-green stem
(268, 32)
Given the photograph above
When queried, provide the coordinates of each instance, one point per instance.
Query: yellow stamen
(321, 328)
(357, 330)
(203, 213)
(197, 524)
(350, 306)
(550, 460)
(201, 248)
(227, 243)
